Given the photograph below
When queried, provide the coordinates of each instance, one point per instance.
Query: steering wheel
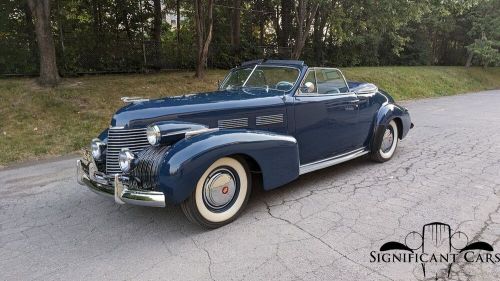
(284, 85)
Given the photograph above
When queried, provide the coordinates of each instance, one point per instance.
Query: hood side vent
(269, 119)
(233, 123)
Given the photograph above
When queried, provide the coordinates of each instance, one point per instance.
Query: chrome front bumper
(119, 191)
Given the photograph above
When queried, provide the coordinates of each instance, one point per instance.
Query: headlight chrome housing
(127, 160)
(97, 147)
(154, 135)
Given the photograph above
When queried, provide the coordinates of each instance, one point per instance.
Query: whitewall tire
(386, 143)
(220, 195)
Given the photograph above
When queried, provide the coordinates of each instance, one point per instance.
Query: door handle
(351, 106)
(354, 103)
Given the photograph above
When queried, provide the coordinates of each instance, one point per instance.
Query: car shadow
(290, 191)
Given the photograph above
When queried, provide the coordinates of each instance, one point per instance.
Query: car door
(324, 115)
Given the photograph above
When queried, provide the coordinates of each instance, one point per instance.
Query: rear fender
(186, 161)
(385, 114)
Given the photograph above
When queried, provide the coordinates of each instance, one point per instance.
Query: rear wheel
(220, 195)
(387, 143)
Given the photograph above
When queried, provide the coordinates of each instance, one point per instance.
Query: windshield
(262, 76)
(236, 78)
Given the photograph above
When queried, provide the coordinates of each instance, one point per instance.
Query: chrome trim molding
(193, 133)
(268, 119)
(120, 191)
(324, 163)
(232, 123)
(133, 99)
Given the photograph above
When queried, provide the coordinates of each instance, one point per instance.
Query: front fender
(186, 161)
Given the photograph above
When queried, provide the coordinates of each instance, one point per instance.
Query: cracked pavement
(320, 227)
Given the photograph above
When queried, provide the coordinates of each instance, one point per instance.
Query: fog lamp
(127, 160)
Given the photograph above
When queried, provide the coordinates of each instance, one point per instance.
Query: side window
(310, 78)
(330, 81)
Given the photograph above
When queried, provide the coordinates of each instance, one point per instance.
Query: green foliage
(486, 31)
(486, 51)
(117, 36)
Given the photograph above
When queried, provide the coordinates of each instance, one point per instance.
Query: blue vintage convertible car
(269, 122)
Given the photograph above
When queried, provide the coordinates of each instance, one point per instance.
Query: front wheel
(220, 195)
(387, 143)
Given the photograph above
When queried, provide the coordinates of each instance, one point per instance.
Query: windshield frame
(295, 83)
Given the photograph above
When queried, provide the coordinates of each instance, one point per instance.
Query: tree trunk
(318, 37)
(178, 13)
(469, 59)
(203, 18)
(30, 32)
(178, 32)
(236, 25)
(286, 26)
(305, 14)
(40, 10)
(157, 32)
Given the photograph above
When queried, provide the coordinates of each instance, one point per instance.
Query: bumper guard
(120, 190)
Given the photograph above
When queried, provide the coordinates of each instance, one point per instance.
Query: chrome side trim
(232, 123)
(310, 167)
(268, 119)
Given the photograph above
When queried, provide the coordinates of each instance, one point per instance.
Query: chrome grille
(134, 139)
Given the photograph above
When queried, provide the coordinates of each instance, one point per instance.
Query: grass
(40, 123)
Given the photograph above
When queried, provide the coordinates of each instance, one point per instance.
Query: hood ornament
(133, 99)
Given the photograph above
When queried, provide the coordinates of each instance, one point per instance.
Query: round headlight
(97, 146)
(126, 158)
(154, 135)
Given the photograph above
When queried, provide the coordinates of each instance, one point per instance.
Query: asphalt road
(320, 227)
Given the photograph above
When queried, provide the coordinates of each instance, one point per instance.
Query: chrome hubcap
(387, 140)
(219, 189)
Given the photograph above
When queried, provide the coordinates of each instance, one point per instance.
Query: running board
(307, 168)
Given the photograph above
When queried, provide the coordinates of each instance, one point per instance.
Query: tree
(283, 25)
(178, 21)
(204, 22)
(485, 50)
(40, 11)
(320, 21)
(157, 30)
(236, 25)
(486, 30)
(306, 11)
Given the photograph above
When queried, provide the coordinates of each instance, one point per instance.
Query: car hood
(194, 107)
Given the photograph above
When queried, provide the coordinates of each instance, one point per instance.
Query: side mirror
(308, 87)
